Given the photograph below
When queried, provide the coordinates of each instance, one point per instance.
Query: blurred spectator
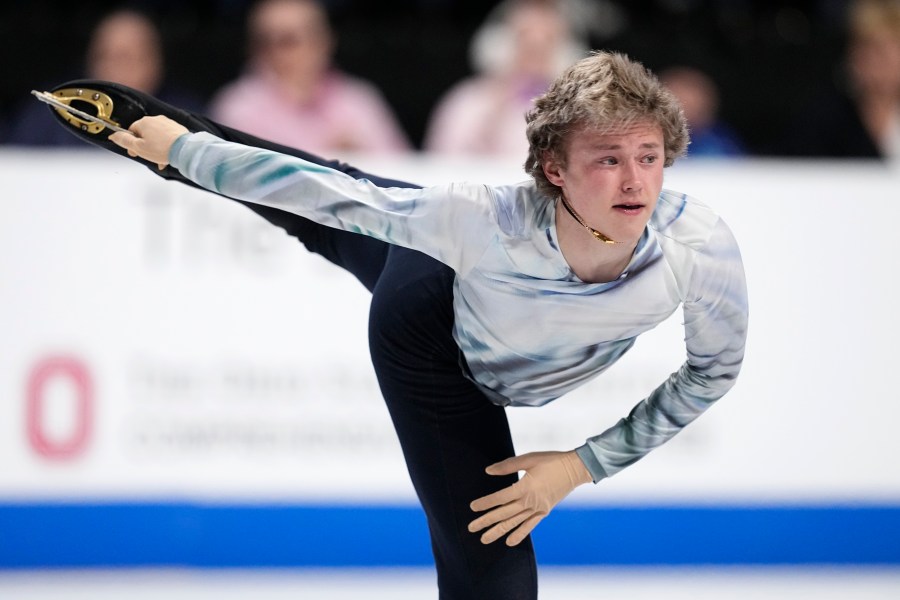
(519, 49)
(699, 98)
(860, 116)
(292, 94)
(125, 47)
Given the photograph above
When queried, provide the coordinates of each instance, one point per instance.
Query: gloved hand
(549, 477)
(151, 138)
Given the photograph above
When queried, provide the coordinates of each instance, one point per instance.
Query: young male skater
(491, 296)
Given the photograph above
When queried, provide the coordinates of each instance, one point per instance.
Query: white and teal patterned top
(529, 328)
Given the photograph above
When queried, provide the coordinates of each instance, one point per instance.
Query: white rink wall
(161, 344)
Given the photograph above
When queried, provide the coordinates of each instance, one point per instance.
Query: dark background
(770, 58)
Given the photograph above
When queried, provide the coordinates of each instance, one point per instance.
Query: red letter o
(41, 375)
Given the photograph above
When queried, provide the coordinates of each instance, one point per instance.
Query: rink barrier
(99, 535)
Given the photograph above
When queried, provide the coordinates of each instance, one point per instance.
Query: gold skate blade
(79, 118)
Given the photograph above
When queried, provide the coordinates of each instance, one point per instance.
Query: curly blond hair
(605, 91)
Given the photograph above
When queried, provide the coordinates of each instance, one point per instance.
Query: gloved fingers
(496, 516)
(124, 140)
(136, 146)
(523, 530)
(505, 526)
(150, 138)
(498, 498)
(514, 464)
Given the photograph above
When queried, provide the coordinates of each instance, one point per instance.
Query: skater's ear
(553, 168)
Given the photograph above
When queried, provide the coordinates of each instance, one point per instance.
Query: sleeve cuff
(590, 461)
(175, 150)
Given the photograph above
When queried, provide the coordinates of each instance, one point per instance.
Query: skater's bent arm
(715, 322)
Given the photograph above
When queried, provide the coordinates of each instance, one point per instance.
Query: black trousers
(448, 430)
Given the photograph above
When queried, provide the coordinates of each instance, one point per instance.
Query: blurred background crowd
(816, 78)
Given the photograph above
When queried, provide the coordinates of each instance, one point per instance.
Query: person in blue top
(491, 296)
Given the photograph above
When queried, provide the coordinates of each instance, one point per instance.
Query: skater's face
(612, 178)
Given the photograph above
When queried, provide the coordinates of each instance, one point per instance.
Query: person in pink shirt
(291, 93)
(522, 46)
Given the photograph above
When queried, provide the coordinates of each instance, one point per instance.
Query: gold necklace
(599, 236)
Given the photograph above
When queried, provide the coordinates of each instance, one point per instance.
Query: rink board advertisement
(183, 384)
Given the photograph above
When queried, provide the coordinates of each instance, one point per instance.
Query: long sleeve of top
(529, 329)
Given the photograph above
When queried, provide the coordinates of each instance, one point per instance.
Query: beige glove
(549, 477)
(151, 138)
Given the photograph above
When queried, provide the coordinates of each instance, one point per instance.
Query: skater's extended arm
(432, 220)
(293, 224)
